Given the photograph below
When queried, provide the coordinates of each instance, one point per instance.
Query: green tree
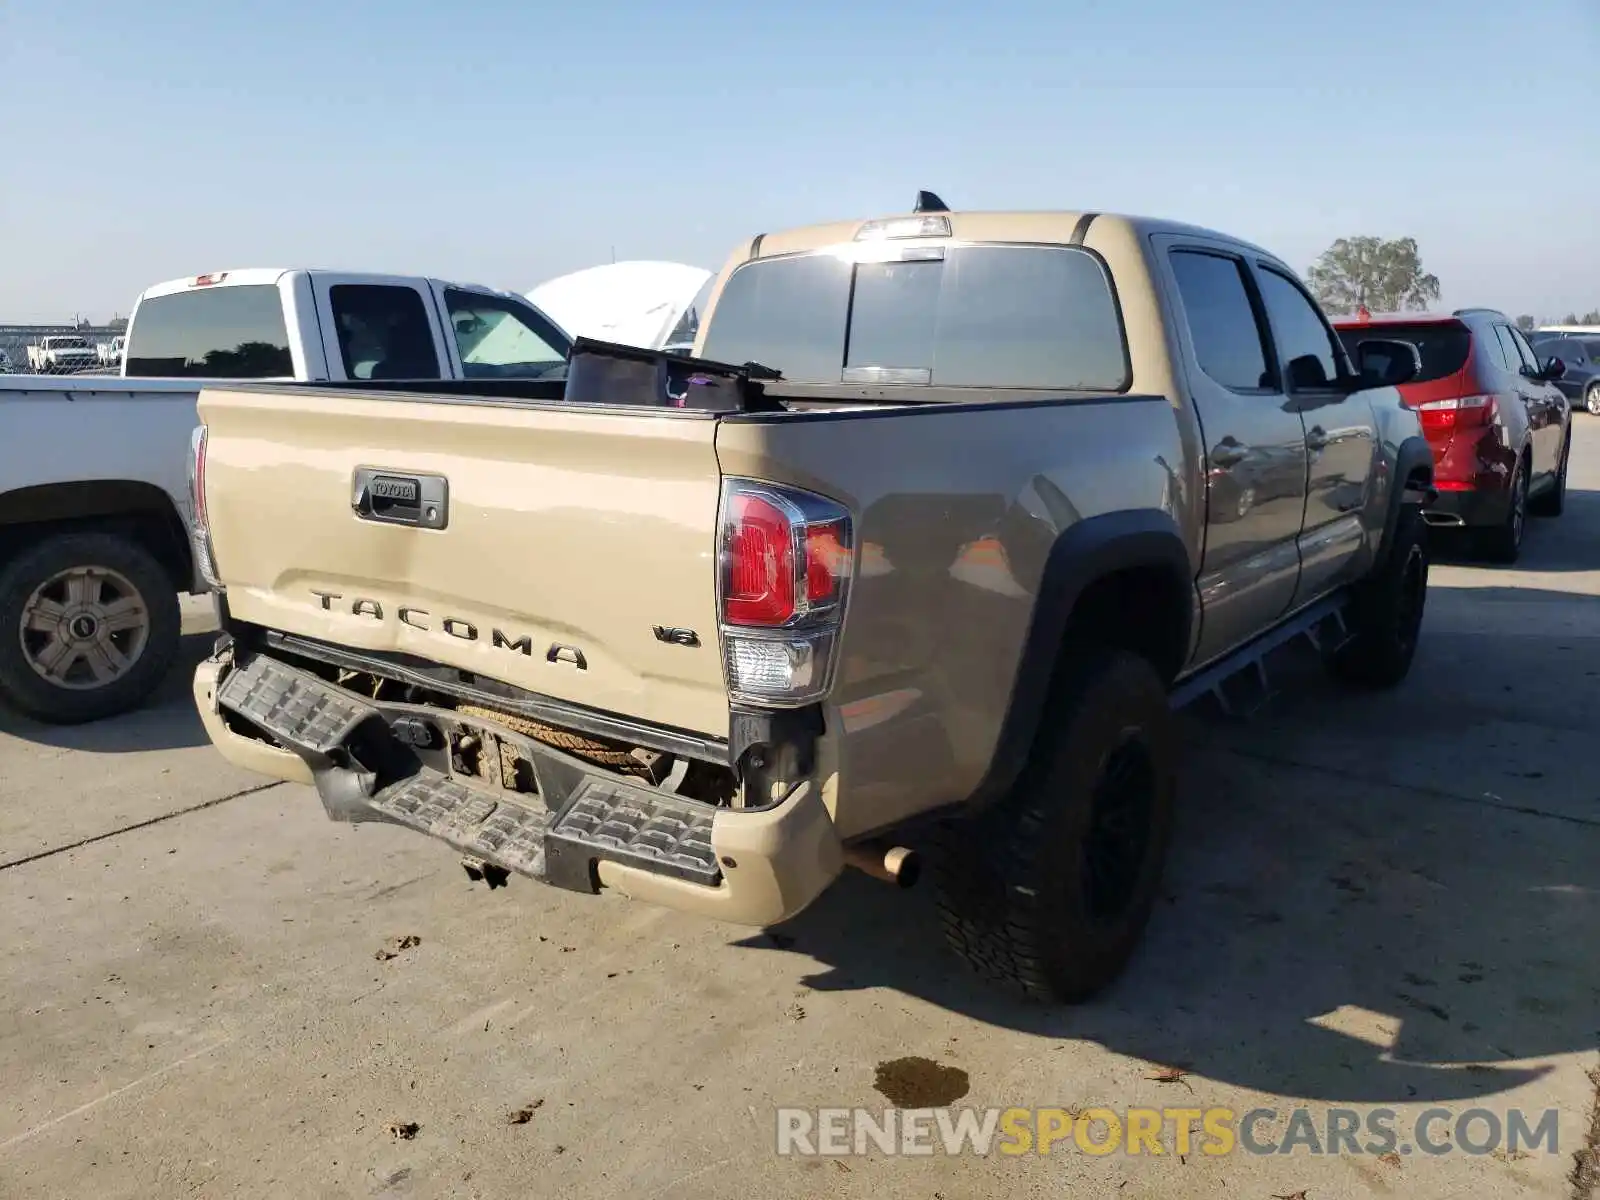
(1526, 323)
(1384, 275)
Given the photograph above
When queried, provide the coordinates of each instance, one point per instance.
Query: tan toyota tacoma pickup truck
(982, 498)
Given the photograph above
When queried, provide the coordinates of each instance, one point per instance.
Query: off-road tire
(1011, 881)
(1554, 502)
(1502, 542)
(36, 696)
(1385, 612)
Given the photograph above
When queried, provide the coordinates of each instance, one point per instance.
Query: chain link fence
(60, 349)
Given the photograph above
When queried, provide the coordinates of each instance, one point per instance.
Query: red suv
(1498, 425)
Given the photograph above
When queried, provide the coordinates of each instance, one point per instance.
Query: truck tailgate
(567, 536)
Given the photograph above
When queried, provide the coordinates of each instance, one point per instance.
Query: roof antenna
(929, 202)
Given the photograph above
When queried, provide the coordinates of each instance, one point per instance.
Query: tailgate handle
(393, 497)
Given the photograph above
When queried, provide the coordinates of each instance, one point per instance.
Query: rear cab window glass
(789, 314)
(219, 332)
(498, 339)
(974, 316)
(384, 332)
(1222, 322)
(1443, 345)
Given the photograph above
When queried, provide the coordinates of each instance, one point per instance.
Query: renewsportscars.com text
(1212, 1132)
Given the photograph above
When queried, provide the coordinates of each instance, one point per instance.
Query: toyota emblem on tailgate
(388, 487)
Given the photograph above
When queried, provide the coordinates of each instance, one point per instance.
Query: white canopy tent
(636, 303)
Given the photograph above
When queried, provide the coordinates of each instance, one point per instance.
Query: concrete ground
(1373, 902)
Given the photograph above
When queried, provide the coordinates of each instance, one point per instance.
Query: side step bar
(1321, 623)
(600, 817)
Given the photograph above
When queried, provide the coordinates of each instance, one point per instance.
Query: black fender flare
(1413, 455)
(1082, 554)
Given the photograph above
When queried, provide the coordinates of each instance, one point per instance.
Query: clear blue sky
(507, 142)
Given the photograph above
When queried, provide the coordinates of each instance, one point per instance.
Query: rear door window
(213, 332)
(384, 332)
(1442, 346)
(961, 316)
(1228, 341)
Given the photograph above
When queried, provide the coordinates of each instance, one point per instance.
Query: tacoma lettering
(456, 627)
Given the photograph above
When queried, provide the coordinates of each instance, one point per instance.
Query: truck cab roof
(1043, 226)
(242, 277)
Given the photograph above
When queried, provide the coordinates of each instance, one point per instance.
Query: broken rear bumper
(579, 827)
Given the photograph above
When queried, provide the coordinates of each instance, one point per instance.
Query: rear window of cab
(231, 331)
(987, 316)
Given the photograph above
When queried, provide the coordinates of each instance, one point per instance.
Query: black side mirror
(1386, 362)
(1554, 369)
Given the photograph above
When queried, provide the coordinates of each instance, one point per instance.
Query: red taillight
(827, 561)
(1458, 412)
(760, 570)
(787, 559)
(763, 583)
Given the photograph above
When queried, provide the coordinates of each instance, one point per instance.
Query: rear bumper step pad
(308, 715)
(604, 816)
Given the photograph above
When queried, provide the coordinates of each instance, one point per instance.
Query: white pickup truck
(61, 353)
(93, 488)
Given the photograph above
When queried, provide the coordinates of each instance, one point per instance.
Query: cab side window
(496, 339)
(384, 332)
(1306, 344)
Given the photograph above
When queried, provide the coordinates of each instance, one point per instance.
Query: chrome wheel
(84, 628)
(1591, 400)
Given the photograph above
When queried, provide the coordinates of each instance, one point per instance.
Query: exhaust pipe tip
(897, 865)
(904, 864)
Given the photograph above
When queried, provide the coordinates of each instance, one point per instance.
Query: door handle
(1317, 438)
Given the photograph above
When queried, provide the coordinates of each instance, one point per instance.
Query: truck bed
(575, 572)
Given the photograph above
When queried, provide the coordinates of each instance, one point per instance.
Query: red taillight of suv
(787, 557)
(1444, 417)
